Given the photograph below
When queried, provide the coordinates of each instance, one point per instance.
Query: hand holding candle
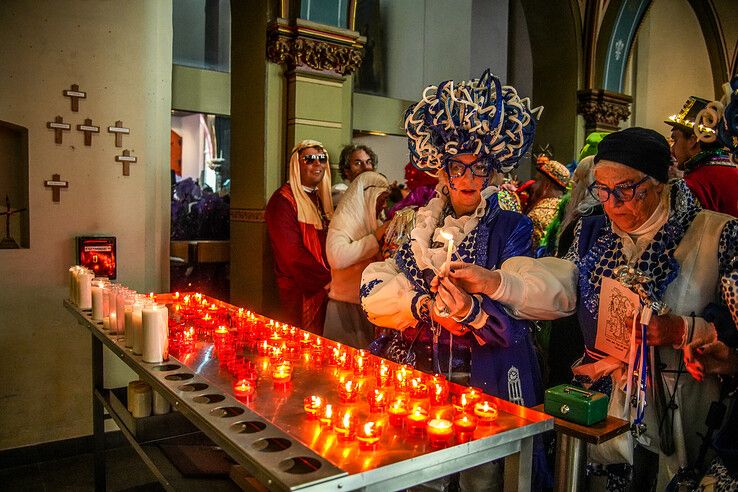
(449, 251)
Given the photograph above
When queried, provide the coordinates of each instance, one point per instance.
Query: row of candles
(419, 404)
(143, 322)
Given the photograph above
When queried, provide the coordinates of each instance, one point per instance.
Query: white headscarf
(356, 214)
(307, 212)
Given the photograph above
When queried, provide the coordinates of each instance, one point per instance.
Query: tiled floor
(125, 472)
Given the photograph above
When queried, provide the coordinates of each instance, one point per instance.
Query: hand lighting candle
(369, 435)
(439, 432)
(485, 411)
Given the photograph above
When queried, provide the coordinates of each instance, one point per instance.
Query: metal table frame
(515, 445)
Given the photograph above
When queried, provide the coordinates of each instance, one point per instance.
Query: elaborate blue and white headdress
(480, 117)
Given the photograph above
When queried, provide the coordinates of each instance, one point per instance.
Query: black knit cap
(639, 148)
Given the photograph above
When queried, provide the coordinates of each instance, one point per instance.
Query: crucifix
(56, 184)
(119, 130)
(88, 128)
(58, 126)
(75, 95)
(8, 242)
(126, 159)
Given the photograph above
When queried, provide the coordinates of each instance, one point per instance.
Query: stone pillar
(603, 110)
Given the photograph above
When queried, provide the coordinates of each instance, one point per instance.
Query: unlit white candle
(137, 328)
(152, 349)
(97, 301)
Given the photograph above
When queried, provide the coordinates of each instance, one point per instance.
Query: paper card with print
(618, 305)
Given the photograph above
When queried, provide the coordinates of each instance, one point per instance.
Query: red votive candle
(345, 426)
(462, 404)
(416, 420)
(464, 425)
(377, 401)
(313, 405)
(244, 390)
(361, 362)
(326, 415)
(438, 393)
(282, 373)
(418, 389)
(397, 412)
(485, 411)
(348, 390)
(384, 373)
(263, 348)
(439, 432)
(369, 435)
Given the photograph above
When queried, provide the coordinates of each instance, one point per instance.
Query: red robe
(715, 184)
(300, 265)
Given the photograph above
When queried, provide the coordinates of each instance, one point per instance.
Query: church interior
(92, 88)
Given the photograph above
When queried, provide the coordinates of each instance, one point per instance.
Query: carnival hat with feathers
(480, 117)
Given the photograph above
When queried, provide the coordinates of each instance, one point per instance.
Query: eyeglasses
(457, 169)
(622, 193)
(311, 158)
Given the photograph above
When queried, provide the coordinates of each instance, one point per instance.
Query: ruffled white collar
(427, 231)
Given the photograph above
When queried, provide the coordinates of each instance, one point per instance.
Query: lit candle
(439, 432)
(347, 391)
(462, 403)
(485, 411)
(473, 394)
(402, 378)
(345, 426)
(305, 341)
(369, 435)
(326, 415)
(438, 393)
(416, 420)
(449, 250)
(397, 412)
(418, 389)
(377, 401)
(313, 405)
(282, 373)
(263, 348)
(244, 390)
(361, 362)
(384, 373)
(464, 426)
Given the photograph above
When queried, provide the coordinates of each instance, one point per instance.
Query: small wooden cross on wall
(56, 184)
(88, 128)
(126, 159)
(58, 126)
(75, 94)
(119, 130)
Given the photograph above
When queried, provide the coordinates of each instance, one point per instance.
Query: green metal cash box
(576, 404)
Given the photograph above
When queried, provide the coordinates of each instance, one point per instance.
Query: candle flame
(368, 428)
(446, 235)
(347, 419)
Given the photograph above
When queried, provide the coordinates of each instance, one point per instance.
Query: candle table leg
(98, 414)
(571, 457)
(518, 467)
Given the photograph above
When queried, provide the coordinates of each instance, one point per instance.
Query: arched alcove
(14, 186)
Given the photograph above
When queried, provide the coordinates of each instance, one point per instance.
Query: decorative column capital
(603, 110)
(317, 46)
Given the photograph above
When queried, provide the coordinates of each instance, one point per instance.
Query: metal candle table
(270, 433)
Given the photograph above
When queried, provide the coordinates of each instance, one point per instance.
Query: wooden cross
(58, 126)
(88, 128)
(8, 242)
(56, 184)
(126, 159)
(119, 130)
(75, 94)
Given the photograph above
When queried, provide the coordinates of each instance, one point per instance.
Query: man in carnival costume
(297, 217)
(681, 261)
(708, 170)
(462, 133)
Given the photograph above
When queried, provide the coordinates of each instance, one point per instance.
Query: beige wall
(121, 55)
(671, 64)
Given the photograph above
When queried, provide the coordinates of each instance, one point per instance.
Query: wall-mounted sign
(98, 254)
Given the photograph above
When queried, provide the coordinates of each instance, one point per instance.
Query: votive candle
(439, 432)
(485, 411)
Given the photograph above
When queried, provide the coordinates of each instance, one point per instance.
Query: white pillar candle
(120, 303)
(164, 330)
(161, 405)
(137, 328)
(141, 399)
(106, 323)
(106, 300)
(97, 300)
(113, 322)
(152, 340)
(72, 283)
(85, 289)
(128, 309)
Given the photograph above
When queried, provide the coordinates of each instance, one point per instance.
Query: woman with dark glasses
(297, 217)
(462, 133)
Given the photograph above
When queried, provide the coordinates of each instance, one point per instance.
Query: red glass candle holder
(325, 415)
(361, 363)
(485, 411)
(418, 389)
(306, 340)
(397, 412)
(377, 401)
(465, 425)
(348, 391)
(384, 374)
(369, 435)
(313, 405)
(263, 348)
(282, 373)
(473, 395)
(345, 426)
(462, 404)
(402, 378)
(416, 420)
(244, 390)
(438, 393)
(439, 432)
